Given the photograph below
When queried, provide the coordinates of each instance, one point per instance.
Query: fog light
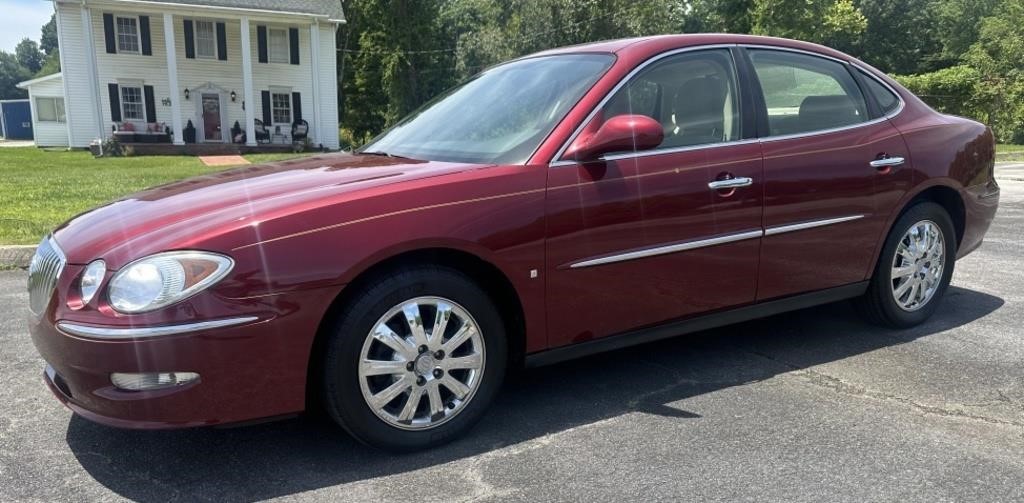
(151, 380)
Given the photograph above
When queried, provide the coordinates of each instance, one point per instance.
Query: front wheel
(914, 269)
(416, 360)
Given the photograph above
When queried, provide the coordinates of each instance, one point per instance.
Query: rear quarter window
(887, 100)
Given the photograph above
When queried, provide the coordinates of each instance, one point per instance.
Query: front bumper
(253, 369)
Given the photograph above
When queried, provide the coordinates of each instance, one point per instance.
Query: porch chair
(300, 130)
(261, 132)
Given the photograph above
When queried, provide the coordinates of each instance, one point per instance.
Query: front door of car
(833, 172)
(640, 238)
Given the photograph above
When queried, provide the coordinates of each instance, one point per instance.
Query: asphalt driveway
(809, 406)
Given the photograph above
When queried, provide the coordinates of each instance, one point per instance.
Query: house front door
(211, 117)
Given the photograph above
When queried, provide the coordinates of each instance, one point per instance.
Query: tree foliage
(29, 55)
(12, 72)
(48, 40)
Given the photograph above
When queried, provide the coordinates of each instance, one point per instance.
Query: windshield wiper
(385, 154)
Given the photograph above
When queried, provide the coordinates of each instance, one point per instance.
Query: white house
(144, 67)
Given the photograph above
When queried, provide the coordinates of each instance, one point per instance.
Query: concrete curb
(16, 255)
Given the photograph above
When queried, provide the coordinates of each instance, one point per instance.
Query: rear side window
(805, 93)
(887, 100)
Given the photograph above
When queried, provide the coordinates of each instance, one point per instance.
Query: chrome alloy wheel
(918, 265)
(422, 363)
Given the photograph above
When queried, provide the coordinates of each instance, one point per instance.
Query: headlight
(165, 278)
(91, 279)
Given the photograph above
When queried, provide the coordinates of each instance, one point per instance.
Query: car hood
(141, 223)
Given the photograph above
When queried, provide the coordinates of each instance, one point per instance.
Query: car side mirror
(627, 133)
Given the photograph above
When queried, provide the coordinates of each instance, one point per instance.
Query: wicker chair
(300, 130)
(261, 132)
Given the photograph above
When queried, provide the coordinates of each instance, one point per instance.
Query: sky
(20, 19)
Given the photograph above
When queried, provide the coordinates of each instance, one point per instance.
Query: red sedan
(572, 201)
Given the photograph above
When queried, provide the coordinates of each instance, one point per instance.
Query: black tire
(878, 304)
(340, 380)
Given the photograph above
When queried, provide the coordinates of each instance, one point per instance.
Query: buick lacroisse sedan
(573, 201)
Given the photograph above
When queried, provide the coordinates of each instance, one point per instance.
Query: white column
(314, 64)
(172, 79)
(102, 130)
(250, 95)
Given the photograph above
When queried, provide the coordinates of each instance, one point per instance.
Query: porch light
(186, 93)
(233, 96)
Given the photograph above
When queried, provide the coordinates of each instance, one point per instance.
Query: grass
(41, 189)
(1006, 152)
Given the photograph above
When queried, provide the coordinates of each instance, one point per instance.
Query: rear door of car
(834, 168)
(640, 238)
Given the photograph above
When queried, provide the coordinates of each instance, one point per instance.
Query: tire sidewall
(883, 287)
(343, 396)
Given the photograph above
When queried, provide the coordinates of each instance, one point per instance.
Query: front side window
(281, 107)
(693, 95)
(50, 109)
(499, 116)
(127, 34)
(278, 45)
(805, 93)
(132, 107)
(206, 40)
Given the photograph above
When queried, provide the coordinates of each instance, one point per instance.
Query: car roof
(642, 47)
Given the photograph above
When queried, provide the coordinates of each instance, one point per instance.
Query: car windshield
(499, 116)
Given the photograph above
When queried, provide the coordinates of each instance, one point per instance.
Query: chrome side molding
(810, 224)
(712, 241)
(672, 248)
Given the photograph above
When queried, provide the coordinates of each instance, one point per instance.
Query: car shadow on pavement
(287, 457)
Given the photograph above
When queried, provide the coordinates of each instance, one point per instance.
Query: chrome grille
(43, 272)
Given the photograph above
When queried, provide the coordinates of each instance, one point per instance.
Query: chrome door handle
(887, 162)
(731, 183)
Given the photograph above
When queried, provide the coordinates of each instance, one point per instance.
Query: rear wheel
(914, 270)
(416, 360)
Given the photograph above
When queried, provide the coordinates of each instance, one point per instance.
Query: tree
(51, 65)
(836, 23)
(900, 36)
(48, 41)
(11, 73)
(29, 55)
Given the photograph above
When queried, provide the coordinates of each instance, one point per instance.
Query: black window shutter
(147, 43)
(293, 43)
(108, 33)
(115, 102)
(261, 43)
(267, 119)
(190, 41)
(296, 107)
(222, 42)
(150, 103)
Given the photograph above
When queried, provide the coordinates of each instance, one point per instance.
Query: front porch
(200, 149)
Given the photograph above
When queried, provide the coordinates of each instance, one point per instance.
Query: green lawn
(41, 189)
(1007, 152)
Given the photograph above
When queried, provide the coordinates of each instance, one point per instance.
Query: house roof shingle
(330, 8)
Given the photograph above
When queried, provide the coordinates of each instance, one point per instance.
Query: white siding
(48, 134)
(75, 61)
(193, 74)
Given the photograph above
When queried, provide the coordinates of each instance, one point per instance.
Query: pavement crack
(839, 385)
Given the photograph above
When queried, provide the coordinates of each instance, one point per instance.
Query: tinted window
(886, 99)
(500, 116)
(806, 93)
(692, 95)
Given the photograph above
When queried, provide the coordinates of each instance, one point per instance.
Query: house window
(278, 43)
(50, 109)
(132, 108)
(281, 107)
(206, 40)
(128, 34)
